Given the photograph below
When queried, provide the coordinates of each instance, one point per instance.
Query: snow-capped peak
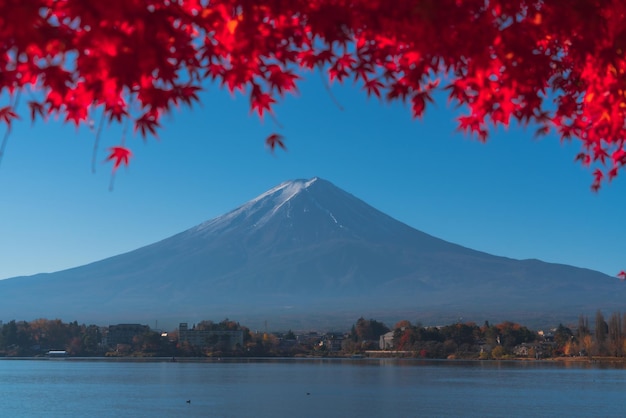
(268, 203)
(285, 191)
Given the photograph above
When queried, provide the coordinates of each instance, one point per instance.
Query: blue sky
(514, 196)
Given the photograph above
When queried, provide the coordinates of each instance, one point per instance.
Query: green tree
(24, 338)
(91, 339)
(9, 334)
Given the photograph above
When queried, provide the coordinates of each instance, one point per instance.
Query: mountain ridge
(307, 245)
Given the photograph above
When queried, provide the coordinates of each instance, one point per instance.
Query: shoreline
(137, 359)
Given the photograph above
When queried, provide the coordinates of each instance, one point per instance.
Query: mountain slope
(306, 246)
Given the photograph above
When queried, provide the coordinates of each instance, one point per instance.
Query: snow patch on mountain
(323, 209)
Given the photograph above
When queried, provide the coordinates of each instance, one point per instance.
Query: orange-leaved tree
(557, 64)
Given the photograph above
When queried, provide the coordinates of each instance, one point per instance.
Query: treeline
(22, 338)
(38, 337)
(460, 340)
(605, 337)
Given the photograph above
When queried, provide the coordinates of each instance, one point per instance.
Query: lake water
(309, 388)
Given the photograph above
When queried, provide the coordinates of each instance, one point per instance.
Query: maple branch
(7, 133)
(499, 58)
(328, 90)
(112, 181)
(4, 142)
(121, 146)
(275, 120)
(96, 143)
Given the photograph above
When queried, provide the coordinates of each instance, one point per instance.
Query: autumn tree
(367, 330)
(583, 327)
(460, 333)
(512, 334)
(615, 337)
(623, 348)
(490, 333)
(406, 336)
(558, 65)
(402, 324)
(427, 342)
(498, 352)
(587, 345)
(225, 325)
(601, 330)
(563, 338)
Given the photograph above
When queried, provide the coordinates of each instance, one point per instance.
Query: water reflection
(311, 387)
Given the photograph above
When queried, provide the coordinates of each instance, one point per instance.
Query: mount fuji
(307, 254)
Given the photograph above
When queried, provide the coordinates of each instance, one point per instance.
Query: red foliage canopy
(558, 64)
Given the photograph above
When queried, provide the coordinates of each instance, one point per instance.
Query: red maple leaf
(148, 122)
(373, 86)
(598, 175)
(36, 108)
(418, 103)
(275, 139)
(281, 80)
(188, 94)
(261, 101)
(307, 59)
(7, 115)
(120, 155)
(117, 111)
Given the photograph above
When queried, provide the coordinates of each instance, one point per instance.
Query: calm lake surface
(309, 388)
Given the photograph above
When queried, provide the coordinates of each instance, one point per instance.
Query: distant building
(386, 341)
(525, 349)
(204, 338)
(124, 333)
(332, 341)
(547, 336)
(57, 353)
(310, 338)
